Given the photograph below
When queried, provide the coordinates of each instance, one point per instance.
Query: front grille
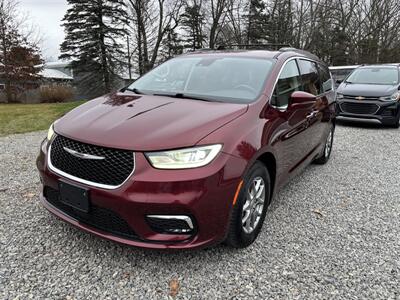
(113, 170)
(350, 97)
(98, 217)
(359, 108)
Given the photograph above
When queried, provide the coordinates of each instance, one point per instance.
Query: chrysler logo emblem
(83, 155)
(360, 98)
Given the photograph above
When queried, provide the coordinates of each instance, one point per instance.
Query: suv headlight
(394, 97)
(50, 133)
(184, 158)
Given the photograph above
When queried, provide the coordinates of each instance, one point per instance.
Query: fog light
(171, 224)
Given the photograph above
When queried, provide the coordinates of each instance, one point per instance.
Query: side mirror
(299, 97)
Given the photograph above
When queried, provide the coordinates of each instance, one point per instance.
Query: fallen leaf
(173, 287)
(318, 212)
(29, 195)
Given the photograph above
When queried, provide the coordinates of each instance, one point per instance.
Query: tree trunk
(104, 62)
(4, 47)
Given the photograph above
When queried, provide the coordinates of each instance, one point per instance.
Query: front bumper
(205, 194)
(385, 112)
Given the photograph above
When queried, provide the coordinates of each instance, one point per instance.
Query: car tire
(241, 235)
(326, 153)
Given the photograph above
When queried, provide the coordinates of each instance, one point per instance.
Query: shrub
(56, 93)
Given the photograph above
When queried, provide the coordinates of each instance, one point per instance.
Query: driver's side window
(289, 81)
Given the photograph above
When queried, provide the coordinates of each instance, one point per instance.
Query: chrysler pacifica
(192, 153)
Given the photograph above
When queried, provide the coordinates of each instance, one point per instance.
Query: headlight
(339, 96)
(184, 158)
(394, 97)
(50, 133)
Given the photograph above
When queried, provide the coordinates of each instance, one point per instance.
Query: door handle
(312, 114)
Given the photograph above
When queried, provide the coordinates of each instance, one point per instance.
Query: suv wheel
(248, 213)
(323, 159)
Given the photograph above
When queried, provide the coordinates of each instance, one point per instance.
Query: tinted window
(310, 77)
(325, 77)
(288, 82)
(225, 79)
(387, 76)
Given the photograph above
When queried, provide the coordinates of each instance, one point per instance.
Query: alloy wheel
(328, 145)
(254, 205)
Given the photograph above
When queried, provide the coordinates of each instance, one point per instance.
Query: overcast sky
(47, 14)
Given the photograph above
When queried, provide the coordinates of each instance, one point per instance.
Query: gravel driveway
(333, 232)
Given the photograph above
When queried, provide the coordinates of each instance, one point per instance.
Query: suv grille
(365, 97)
(98, 217)
(113, 170)
(359, 108)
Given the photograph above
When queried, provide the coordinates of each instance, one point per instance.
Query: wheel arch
(269, 161)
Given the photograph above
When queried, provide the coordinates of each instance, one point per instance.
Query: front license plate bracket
(74, 196)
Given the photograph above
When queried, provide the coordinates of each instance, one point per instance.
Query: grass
(21, 118)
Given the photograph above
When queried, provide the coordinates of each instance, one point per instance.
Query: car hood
(367, 90)
(144, 122)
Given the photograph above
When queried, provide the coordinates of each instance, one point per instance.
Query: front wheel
(323, 159)
(248, 213)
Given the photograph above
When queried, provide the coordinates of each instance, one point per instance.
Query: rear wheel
(248, 213)
(323, 159)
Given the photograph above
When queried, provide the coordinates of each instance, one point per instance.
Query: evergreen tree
(172, 44)
(256, 22)
(94, 34)
(193, 23)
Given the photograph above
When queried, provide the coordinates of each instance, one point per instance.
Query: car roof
(283, 53)
(344, 67)
(389, 65)
(234, 53)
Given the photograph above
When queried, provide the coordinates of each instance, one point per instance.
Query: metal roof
(54, 74)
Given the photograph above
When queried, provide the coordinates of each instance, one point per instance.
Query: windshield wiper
(135, 90)
(182, 95)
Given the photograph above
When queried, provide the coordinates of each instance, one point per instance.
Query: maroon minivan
(192, 153)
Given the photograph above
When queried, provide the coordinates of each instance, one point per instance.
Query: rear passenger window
(325, 76)
(289, 81)
(310, 77)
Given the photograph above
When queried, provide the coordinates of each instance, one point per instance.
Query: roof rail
(252, 46)
(201, 50)
(300, 51)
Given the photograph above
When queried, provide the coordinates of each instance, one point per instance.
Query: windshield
(387, 76)
(222, 79)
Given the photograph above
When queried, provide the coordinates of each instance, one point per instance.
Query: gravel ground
(332, 233)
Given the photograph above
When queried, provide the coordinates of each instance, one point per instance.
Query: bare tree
(151, 21)
(9, 37)
(218, 15)
(18, 47)
(339, 31)
(235, 17)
